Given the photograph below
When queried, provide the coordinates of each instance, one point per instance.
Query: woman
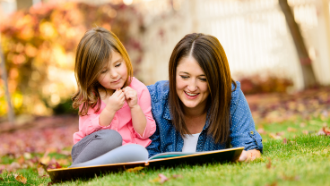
(201, 108)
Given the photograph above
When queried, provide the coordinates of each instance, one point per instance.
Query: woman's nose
(192, 86)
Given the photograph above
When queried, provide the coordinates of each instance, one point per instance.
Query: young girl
(114, 107)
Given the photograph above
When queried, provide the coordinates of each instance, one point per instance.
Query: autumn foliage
(39, 49)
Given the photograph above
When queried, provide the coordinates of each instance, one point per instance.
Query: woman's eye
(117, 65)
(184, 77)
(202, 79)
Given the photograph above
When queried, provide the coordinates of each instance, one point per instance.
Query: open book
(169, 159)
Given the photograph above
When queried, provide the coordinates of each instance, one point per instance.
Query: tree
(305, 61)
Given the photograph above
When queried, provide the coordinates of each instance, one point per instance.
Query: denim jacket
(167, 139)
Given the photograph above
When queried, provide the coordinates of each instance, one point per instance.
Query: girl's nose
(113, 74)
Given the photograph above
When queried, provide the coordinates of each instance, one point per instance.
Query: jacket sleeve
(154, 147)
(242, 129)
(145, 104)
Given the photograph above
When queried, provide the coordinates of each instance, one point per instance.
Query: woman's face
(191, 84)
(114, 74)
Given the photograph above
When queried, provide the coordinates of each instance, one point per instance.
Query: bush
(39, 49)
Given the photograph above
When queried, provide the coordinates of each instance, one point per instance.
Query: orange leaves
(269, 164)
(290, 129)
(20, 178)
(279, 107)
(162, 178)
(324, 131)
(45, 37)
(135, 169)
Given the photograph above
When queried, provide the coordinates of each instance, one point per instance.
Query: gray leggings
(105, 147)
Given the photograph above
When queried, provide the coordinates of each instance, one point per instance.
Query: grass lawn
(303, 160)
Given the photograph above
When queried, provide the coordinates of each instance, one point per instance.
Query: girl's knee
(110, 135)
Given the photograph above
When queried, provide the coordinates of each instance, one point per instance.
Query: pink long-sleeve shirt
(122, 121)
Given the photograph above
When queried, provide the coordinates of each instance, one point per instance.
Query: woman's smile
(191, 95)
(191, 84)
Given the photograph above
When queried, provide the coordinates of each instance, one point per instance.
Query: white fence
(253, 33)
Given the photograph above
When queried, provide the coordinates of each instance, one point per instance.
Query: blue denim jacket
(167, 139)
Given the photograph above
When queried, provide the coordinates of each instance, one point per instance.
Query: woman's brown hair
(93, 52)
(211, 57)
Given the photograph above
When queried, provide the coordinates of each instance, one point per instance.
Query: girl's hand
(131, 97)
(249, 155)
(116, 101)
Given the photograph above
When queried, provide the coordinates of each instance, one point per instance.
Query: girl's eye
(104, 71)
(202, 79)
(117, 65)
(184, 77)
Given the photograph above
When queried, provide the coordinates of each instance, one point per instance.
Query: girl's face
(114, 74)
(191, 84)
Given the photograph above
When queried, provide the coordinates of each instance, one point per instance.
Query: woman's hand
(131, 96)
(249, 155)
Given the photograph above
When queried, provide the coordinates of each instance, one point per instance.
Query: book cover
(169, 159)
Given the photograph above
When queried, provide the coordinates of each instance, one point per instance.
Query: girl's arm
(96, 121)
(138, 119)
(114, 103)
(142, 119)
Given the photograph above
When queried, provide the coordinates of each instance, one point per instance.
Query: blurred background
(278, 49)
(272, 45)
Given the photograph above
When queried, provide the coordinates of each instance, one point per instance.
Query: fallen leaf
(290, 178)
(45, 159)
(63, 161)
(272, 184)
(177, 176)
(269, 164)
(326, 130)
(290, 129)
(21, 160)
(160, 179)
(302, 125)
(285, 141)
(274, 136)
(155, 180)
(135, 169)
(27, 155)
(163, 178)
(261, 131)
(20, 178)
(41, 170)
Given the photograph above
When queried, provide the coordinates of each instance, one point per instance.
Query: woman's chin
(190, 104)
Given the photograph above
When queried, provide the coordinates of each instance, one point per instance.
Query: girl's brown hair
(93, 52)
(211, 57)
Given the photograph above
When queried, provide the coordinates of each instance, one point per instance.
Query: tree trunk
(305, 61)
(10, 111)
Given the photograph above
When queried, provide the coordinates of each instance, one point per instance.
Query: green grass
(304, 160)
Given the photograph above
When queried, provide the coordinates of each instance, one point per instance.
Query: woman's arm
(242, 129)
